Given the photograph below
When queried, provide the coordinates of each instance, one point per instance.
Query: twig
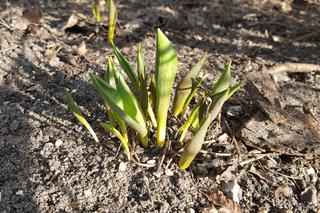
(5, 24)
(142, 164)
(255, 158)
(166, 148)
(306, 36)
(268, 23)
(293, 67)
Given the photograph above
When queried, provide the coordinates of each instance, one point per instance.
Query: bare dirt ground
(262, 155)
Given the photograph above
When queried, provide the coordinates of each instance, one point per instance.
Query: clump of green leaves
(148, 102)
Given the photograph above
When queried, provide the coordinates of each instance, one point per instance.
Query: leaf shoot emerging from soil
(77, 113)
(165, 72)
(111, 6)
(96, 10)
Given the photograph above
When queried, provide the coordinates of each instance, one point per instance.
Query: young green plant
(220, 93)
(133, 109)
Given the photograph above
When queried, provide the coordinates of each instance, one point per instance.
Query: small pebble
(58, 143)
(150, 162)
(122, 167)
(20, 192)
(157, 174)
(169, 173)
(311, 171)
(191, 210)
(223, 138)
(87, 193)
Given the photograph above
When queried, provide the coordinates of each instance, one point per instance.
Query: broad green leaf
(127, 68)
(124, 140)
(111, 6)
(185, 86)
(116, 99)
(223, 82)
(193, 146)
(143, 90)
(96, 10)
(77, 113)
(165, 72)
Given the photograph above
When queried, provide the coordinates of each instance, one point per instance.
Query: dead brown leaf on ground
(221, 203)
(277, 125)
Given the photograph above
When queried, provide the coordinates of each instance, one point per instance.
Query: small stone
(309, 195)
(157, 174)
(58, 143)
(150, 162)
(191, 210)
(122, 167)
(87, 193)
(223, 138)
(169, 173)
(20, 192)
(311, 171)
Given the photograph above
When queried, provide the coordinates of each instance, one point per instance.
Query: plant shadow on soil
(21, 106)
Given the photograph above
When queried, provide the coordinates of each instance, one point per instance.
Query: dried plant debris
(220, 202)
(277, 125)
(31, 20)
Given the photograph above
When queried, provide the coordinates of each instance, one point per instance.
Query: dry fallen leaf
(72, 21)
(32, 16)
(261, 174)
(31, 21)
(223, 203)
(232, 189)
(52, 51)
(82, 48)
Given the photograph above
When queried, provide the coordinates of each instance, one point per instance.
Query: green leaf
(124, 105)
(193, 92)
(96, 10)
(143, 90)
(165, 72)
(124, 140)
(223, 82)
(193, 146)
(110, 80)
(234, 89)
(127, 68)
(77, 113)
(185, 86)
(152, 91)
(217, 103)
(194, 112)
(112, 19)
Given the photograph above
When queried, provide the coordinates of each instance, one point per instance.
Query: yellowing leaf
(112, 19)
(76, 111)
